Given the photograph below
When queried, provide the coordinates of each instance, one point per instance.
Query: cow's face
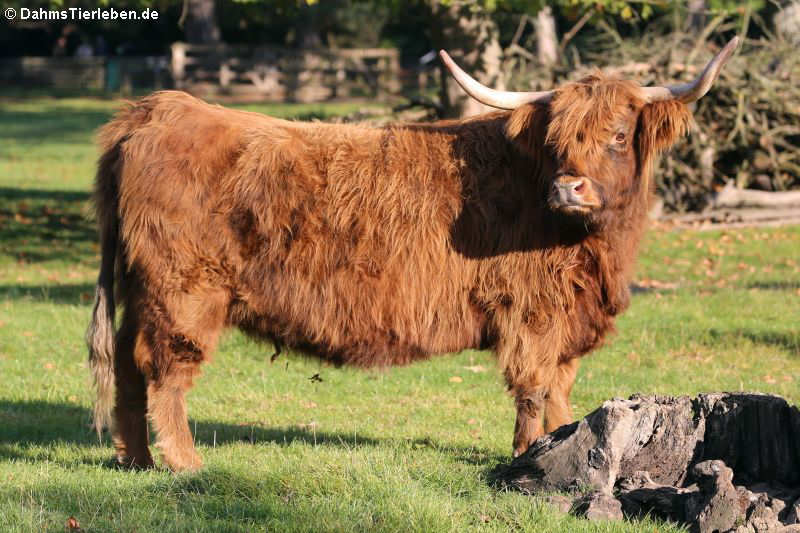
(595, 130)
(592, 130)
(601, 136)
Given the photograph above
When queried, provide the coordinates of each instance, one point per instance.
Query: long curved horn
(694, 90)
(492, 97)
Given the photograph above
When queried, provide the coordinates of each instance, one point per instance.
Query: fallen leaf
(472, 421)
(769, 379)
(456, 379)
(485, 518)
(27, 333)
(72, 524)
(476, 368)
(21, 219)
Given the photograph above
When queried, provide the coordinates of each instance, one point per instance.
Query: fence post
(178, 64)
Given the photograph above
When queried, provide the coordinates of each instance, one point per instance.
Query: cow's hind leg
(167, 411)
(178, 346)
(557, 409)
(129, 430)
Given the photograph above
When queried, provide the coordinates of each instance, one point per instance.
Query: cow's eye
(620, 138)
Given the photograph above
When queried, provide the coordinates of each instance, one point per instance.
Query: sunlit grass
(407, 449)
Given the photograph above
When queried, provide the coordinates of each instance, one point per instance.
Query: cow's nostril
(580, 186)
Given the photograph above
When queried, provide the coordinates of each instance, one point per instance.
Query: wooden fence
(263, 73)
(113, 73)
(284, 74)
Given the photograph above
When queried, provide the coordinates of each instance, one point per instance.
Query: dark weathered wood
(715, 462)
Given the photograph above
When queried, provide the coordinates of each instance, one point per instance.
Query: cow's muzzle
(573, 194)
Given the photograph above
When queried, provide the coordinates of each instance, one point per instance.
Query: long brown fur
(363, 245)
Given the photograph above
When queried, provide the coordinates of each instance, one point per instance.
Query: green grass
(406, 449)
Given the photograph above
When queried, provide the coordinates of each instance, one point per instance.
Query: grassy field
(409, 449)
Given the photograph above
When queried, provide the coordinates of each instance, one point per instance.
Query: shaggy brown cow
(516, 230)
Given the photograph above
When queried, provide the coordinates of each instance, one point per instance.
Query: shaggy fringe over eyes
(581, 112)
(577, 120)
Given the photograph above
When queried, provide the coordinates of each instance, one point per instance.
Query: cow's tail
(100, 334)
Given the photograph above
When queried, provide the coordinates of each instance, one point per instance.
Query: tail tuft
(100, 334)
(100, 339)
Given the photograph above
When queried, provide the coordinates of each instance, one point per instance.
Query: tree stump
(716, 462)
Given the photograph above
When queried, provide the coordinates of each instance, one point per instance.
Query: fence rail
(112, 73)
(265, 73)
(285, 74)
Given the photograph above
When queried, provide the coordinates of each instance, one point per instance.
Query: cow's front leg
(529, 399)
(558, 409)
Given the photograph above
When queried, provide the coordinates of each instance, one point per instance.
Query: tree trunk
(697, 16)
(546, 37)
(731, 196)
(471, 37)
(201, 22)
(711, 462)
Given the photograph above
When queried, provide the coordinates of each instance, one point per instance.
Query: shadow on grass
(216, 499)
(52, 122)
(788, 340)
(27, 424)
(42, 225)
(64, 293)
(15, 194)
(775, 285)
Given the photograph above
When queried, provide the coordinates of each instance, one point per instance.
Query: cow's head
(600, 134)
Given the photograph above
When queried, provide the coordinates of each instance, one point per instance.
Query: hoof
(186, 462)
(134, 463)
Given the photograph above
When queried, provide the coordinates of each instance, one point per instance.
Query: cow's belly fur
(350, 314)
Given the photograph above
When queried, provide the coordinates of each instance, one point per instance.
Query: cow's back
(333, 238)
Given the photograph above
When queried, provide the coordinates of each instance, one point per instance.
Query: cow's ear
(526, 127)
(661, 124)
